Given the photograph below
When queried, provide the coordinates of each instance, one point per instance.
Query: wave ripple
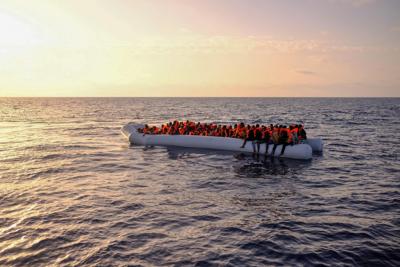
(74, 193)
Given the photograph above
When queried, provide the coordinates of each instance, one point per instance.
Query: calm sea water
(73, 192)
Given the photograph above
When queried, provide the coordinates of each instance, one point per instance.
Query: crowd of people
(256, 134)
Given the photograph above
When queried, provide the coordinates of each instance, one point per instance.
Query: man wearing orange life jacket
(239, 130)
(265, 138)
(294, 132)
(258, 137)
(171, 130)
(250, 137)
(155, 130)
(289, 134)
(285, 138)
(275, 138)
(234, 132)
(146, 129)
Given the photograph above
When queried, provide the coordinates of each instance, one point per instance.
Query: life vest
(251, 134)
(239, 132)
(257, 134)
(284, 135)
(289, 133)
(275, 137)
(267, 135)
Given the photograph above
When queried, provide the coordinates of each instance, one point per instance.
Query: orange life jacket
(289, 133)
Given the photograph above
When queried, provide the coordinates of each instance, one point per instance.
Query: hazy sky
(200, 48)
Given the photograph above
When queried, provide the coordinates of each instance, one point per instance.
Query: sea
(74, 192)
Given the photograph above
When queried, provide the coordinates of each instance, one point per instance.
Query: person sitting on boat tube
(145, 130)
(250, 137)
(258, 137)
(275, 137)
(302, 135)
(285, 139)
(265, 139)
(293, 132)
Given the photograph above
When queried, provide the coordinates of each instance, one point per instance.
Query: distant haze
(200, 48)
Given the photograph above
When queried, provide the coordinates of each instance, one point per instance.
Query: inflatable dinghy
(299, 151)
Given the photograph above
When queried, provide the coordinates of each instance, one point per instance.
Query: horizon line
(199, 96)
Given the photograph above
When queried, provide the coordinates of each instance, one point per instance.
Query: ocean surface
(73, 192)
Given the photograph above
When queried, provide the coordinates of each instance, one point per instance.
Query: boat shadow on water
(253, 166)
(245, 165)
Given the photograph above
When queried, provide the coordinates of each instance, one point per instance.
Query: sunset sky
(200, 48)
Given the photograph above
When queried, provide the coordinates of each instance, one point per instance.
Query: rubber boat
(299, 151)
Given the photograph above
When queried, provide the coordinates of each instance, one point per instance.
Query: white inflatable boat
(299, 151)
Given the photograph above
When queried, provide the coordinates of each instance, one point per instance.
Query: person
(250, 137)
(239, 130)
(146, 130)
(294, 131)
(275, 138)
(285, 138)
(267, 139)
(302, 135)
(258, 138)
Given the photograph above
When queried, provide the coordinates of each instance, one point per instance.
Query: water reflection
(180, 152)
(258, 166)
(68, 180)
(244, 165)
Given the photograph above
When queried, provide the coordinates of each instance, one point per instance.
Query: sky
(257, 48)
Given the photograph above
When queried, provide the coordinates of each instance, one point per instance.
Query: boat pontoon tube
(316, 144)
